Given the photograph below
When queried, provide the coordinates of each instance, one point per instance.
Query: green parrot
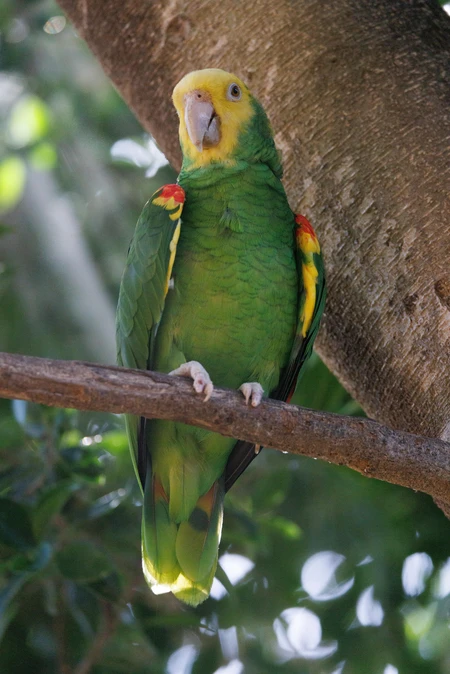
(223, 283)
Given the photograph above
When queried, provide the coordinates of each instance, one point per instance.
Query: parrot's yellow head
(213, 106)
(217, 114)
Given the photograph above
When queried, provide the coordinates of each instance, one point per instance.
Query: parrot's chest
(233, 306)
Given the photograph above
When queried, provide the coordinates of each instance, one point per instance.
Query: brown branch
(361, 444)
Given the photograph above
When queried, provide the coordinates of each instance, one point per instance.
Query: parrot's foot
(252, 391)
(202, 380)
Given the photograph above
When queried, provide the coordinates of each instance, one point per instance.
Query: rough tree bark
(358, 92)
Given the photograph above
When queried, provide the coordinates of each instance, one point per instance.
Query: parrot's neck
(211, 173)
(220, 174)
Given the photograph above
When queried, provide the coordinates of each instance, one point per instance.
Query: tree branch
(364, 445)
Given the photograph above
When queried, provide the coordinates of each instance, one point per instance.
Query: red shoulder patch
(305, 235)
(170, 197)
(304, 225)
(174, 192)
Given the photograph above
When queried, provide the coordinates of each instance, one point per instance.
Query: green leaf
(71, 438)
(5, 229)
(109, 588)
(84, 461)
(41, 558)
(115, 442)
(29, 121)
(31, 416)
(51, 503)
(271, 491)
(43, 157)
(150, 618)
(83, 562)
(11, 433)
(12, 181)
(28, 562)
(282, 525)
(16, 529)
(12, 588)
(7, 594)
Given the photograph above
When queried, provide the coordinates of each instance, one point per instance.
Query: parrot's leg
(196, 371)
(252, 391)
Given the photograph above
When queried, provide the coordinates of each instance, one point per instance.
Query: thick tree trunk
(358, 92)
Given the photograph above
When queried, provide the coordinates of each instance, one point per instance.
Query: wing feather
(143, 291)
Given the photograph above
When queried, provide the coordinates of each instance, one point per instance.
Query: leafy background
(321, 570)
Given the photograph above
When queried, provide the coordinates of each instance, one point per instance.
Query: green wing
(312, 296)
(143, 290)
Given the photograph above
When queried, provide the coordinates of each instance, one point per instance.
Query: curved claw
(201, 380)
(252, 391)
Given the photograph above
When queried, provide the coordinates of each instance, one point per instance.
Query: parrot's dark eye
(234, 92)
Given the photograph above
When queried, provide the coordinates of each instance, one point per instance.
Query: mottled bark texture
(364, 445)
(358, 92)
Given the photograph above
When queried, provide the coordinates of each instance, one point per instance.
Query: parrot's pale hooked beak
(202, 122)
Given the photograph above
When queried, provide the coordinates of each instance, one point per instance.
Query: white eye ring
(234, 92)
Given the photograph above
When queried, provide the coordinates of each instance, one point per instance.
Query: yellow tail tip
(183, 588)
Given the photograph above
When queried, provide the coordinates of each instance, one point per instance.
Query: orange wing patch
(309, 245)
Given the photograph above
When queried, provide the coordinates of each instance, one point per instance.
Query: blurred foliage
(321, 571)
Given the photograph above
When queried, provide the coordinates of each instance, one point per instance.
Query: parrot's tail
(181, 557)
